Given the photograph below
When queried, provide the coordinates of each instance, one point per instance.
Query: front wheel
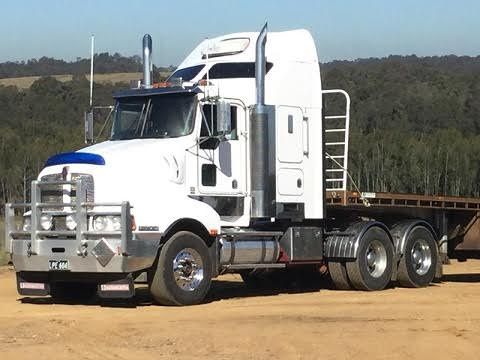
(183, 271)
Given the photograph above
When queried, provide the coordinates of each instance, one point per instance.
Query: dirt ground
(440, 322)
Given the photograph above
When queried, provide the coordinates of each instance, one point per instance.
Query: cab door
(221, 157)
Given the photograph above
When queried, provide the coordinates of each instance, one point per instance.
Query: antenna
(208, 70)
(91, 69)
(208, 85)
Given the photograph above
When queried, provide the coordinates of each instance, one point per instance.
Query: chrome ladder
(336, 136)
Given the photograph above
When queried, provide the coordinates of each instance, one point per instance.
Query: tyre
(66, 291)
(339, 276)
(438, 272)
(373, 267)
(418, 264)
(183, 271)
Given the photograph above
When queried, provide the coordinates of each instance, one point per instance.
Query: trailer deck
(381, 199)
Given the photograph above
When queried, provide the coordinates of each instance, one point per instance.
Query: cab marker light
(204, 82)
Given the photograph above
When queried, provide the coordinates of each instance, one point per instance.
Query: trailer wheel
(372, 269)
(183, 272)
(338, 273)
(418, 264)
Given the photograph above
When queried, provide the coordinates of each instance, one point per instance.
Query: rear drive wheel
(418, 264)
(372, 269)
(338, 273)
(183, 272)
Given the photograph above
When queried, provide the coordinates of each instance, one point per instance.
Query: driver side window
(210, 110)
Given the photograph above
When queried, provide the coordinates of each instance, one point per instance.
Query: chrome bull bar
(81, 210)
(30, 250)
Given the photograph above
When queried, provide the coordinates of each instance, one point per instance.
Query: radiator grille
(89, 186)
(54, 193)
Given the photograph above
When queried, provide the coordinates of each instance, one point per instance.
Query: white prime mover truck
(229, 166)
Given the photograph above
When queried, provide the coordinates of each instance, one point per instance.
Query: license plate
(58, 265)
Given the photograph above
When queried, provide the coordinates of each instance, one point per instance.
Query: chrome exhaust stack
(262, 140)
(260, 67)
(147, 61)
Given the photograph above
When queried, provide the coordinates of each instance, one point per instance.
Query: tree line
(39, 122)
(45, 66)
(415, 123)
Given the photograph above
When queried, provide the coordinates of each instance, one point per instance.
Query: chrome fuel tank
(248, 252)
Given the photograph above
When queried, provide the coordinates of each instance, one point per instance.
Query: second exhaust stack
(147, 61)
(262, 140)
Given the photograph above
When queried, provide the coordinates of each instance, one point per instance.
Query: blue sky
(343, 29)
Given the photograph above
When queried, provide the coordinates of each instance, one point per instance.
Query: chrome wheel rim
(376, 259)
(188, 269)
(421, 256)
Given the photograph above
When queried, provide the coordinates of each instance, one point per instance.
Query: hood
(134, 151)
(163, 157)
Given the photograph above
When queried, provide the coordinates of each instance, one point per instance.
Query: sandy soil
(440, 322)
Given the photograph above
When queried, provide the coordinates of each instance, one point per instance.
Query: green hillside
(415, 123)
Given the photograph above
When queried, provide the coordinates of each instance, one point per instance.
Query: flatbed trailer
(455, 219)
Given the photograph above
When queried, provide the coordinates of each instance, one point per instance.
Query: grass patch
(27, 81)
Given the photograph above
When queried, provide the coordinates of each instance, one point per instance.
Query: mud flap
(35, 285)
(118, 289)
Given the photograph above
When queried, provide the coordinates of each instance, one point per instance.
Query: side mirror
(89, 127)
(210, 143)
(224, 117)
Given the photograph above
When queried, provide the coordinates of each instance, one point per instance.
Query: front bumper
(100, 255)
(84, 250)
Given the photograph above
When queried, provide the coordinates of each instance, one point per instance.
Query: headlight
(27, 223)
(46, 221)
(100, 223)
(70, 222)
(107, 223)
(116, 223)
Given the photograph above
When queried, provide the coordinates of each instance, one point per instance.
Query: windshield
(163, 116)
(186, 74)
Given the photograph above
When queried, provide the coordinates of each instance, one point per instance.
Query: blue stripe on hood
(75, 158)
